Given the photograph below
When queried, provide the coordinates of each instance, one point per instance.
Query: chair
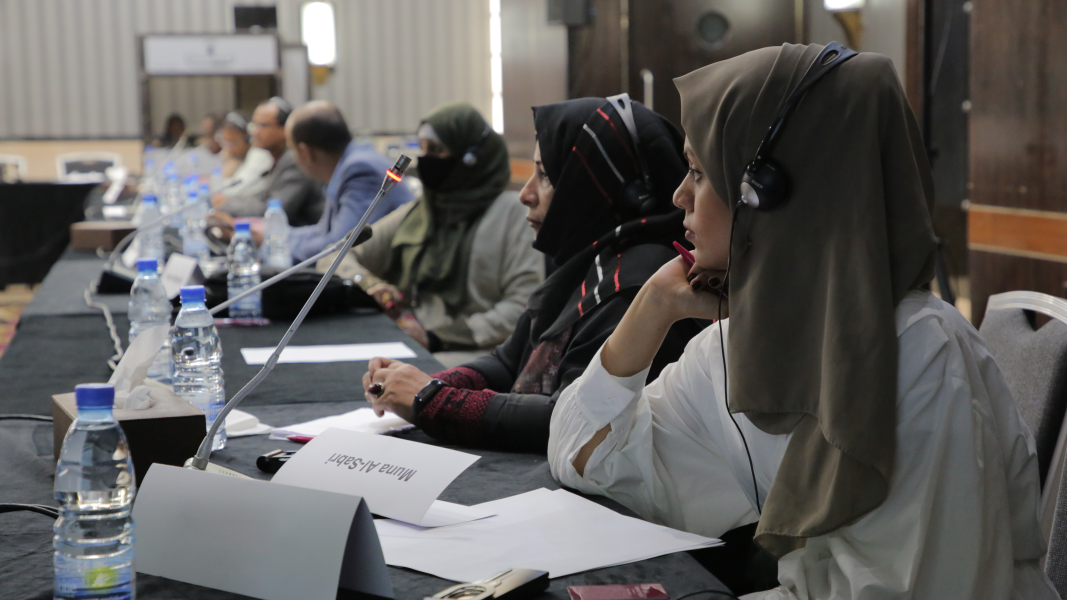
(1034, 363)
(13, 168)
(85, 167)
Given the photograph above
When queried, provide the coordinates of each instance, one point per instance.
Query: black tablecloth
(53, 352)
(35, 220)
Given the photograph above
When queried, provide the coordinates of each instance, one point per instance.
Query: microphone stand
(200, 461)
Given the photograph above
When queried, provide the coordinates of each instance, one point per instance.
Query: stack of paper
(362, 420)
(329, 353)
(558, 532)
(239, 424)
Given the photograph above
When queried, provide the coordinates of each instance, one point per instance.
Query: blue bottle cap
(192, 293)
(241, 227)
(205, 187)
(94, 395)
(150, 199)
(274, 203)
(147, 264)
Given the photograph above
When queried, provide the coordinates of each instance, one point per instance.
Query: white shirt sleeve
(664, 457)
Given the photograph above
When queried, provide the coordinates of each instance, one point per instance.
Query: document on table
(361, 419)
(329, 353)
(554, 531)
(399, 479)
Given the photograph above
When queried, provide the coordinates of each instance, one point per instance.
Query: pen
(300, 439)
(687, 256)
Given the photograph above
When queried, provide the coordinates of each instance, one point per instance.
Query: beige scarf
(814, 285)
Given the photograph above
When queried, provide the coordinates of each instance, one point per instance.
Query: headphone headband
(765, 184)
(832, 56)
(622, 105)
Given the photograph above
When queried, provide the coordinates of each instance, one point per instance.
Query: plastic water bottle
(275, 250)
(197, 355)
(149, 308)
(243, 274)
(95, 486)
(216, 178)
(173, 202)
(150, 239)
(194, 244)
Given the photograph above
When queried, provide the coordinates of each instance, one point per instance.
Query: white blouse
(960, 520)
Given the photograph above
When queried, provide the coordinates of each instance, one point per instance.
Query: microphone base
(115, 280)
(213, 468)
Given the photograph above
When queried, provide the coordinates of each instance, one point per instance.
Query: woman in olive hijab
(866, 426)
(604, 244)
(460, 256)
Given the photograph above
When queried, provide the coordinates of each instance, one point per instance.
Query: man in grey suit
(322, 146)
(301, 196)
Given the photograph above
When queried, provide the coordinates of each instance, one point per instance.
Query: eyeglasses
(253, 126)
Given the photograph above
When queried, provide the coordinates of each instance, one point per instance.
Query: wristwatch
(425, 395)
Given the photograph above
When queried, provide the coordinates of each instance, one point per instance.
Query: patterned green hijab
(431, 249)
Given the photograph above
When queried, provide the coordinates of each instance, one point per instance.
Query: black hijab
(601, 244)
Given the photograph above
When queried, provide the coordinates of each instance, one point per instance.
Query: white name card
(397, 478)
(255, 538)
(181, 270)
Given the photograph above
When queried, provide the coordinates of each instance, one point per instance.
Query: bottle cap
(274, 203)
(205, 187)
(147, 264)
(241, 226)
(192, 293)
(94, 395)
(150, 199)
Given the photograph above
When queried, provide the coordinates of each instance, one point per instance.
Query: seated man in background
(244, 167)
(209, 150)
(461, 257)
(322, 146)
(300, 195)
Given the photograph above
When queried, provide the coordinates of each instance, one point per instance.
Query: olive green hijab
(814, 285)
(431, 249)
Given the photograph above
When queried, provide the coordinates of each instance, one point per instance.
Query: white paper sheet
(361, 419)
(399, 479)
(558, 532)
(329, 353)
(241, 424)
(443, 513)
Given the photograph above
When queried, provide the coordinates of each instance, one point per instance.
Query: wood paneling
(1018, 131)
(1018, 232)
(594, 58)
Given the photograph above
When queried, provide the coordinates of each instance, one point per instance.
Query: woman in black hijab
(602, 209)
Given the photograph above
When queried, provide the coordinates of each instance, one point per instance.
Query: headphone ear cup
(636, 201)
(470, 158)
(765, 184)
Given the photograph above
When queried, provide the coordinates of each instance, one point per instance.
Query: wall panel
(69, 69)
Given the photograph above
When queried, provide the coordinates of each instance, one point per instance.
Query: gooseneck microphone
(200, 461)
(363, 237)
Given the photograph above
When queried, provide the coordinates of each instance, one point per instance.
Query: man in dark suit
(301, 196)
(322, 146)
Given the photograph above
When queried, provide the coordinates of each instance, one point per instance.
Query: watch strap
(426, 395)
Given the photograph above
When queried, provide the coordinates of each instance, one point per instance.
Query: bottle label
(100, 583)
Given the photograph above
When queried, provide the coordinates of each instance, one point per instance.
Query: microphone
(200, 462)
(118, 280)
(363, 237)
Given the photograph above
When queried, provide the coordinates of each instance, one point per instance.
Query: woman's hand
(686, 292)
(391, 385)
(389, 298)
(666, 298)
(414, 330)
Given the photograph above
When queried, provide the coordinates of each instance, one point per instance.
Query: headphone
(284, 109)
(238, 122)
(765, 184)
(470, 157)
(637, 194)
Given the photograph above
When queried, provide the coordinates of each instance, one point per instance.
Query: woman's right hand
(389, 298)
(685, 292)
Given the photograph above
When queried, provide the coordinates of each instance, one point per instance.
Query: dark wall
(669, 38)
(945, 116)
(1018, 146)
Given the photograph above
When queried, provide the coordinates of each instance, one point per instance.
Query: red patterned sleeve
(462, 378)
(455, 413)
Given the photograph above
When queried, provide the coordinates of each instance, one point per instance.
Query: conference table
(61, 342)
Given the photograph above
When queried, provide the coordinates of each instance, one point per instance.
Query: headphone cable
(722, 348)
